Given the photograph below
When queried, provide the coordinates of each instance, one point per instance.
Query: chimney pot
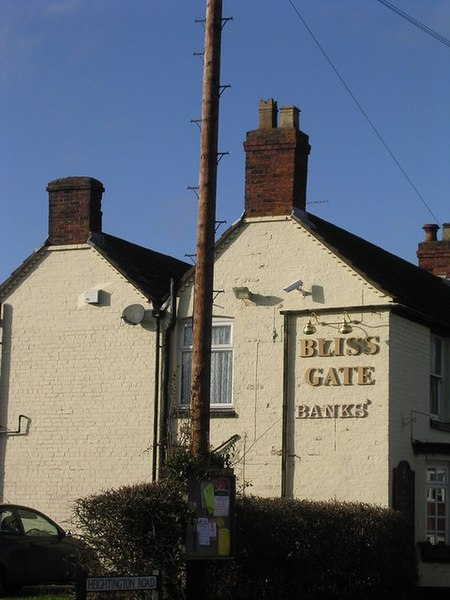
(289, 116)
(434, 255)
(268, 114)
(430, 232)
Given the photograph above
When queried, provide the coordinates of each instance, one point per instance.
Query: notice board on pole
(210, 532)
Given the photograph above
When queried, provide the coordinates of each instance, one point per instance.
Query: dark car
(34, 550)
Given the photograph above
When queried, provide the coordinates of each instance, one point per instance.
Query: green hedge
(286, 549)
(325, 549)
(136, 529)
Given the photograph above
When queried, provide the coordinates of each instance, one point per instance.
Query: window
(221, 363)
(436, 376)
(35, 524)
(437, 488)
(8, 522)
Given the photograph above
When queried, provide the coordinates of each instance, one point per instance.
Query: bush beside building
(284, 548)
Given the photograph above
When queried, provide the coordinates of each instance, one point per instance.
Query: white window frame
(437, 350)
(437, 490)
(185, 352)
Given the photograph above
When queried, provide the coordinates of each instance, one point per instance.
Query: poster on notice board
(210, 533)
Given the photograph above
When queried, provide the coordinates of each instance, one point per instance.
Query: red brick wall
(74, 209)
(275, 171)
(435, 257)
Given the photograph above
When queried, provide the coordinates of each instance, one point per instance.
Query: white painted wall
(82, 377)
(350, 459)
(265, 255)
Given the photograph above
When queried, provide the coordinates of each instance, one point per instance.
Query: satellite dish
(133, 314)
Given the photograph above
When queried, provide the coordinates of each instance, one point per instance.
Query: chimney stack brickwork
(276, 163)
(434, 254)
(74, 210)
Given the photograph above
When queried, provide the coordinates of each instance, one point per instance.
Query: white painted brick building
(81, 375)
(333, 387)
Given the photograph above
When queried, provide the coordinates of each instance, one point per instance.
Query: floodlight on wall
(242, 293)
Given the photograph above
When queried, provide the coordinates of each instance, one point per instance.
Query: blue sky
(108, 88)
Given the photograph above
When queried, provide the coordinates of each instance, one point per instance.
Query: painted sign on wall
(337, 376)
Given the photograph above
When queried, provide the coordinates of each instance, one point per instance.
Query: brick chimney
(434, 254)
(276, 163)
(74, 209)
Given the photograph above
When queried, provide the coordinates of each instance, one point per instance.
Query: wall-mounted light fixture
(344, 325)
(242, 293)
(309, 328)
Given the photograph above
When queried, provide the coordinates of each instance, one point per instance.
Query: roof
(427, 295)
(413, 289)
(149, 271)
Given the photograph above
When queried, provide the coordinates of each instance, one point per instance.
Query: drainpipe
(157, 313)
(164, 420)
(284, 417)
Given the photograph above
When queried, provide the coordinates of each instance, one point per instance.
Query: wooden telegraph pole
(204, 269)
(204, 266)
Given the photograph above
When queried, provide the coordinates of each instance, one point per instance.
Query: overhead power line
(364, 113)
(425, 28)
